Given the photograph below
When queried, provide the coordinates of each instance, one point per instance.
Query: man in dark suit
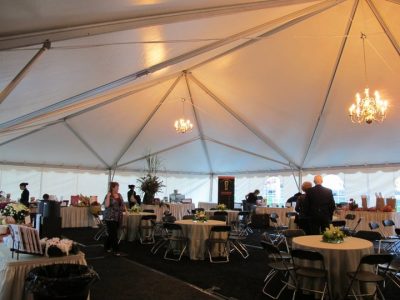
(319, 206)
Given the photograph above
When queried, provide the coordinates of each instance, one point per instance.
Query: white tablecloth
(339, 258)
(368, 216)
(178, 210)
(74, 216)
(130, 223)
(13, 272)
(197, 233)
(281, 212)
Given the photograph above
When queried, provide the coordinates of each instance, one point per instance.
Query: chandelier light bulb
(181, 125)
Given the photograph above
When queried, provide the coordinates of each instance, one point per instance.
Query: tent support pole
(384, 26)
(149, 117)
(300, 179)
(203, 143)
(258, 134)
(332, 79)
(11, 86)
(74, 132)
(211, 187)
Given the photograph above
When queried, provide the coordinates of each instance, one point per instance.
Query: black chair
(218, 242)
(339, 223)
(311, 273)
(279, 267)
(352, 231)
(363, 276)
(389, 223)
(271, 238)
(175, 239)
(387, 244)
(146, 229)
(289, 234)
(393, 272)
(148, 210)
(188, 217)
(218, 218)
(373, 236)
(196, 210)
(221, 213)
(241, 225)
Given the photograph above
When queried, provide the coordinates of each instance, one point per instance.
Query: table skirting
(13, 272)
(75, 216)
(368, 216)
(197, 233)
(281, 212)
(339, 259)
(130, 225)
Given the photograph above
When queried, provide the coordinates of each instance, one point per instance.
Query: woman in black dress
(25, 194)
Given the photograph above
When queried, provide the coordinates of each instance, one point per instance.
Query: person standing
(114, 207)
(131, 195)
(25, 194)
(251, 200)
(319, 206)
(302, 218)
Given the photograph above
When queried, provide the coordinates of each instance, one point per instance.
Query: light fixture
(367, 108)
(182, 125)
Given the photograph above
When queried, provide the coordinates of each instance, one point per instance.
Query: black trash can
(61, 281)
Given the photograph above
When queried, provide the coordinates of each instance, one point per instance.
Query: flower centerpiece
(16, 212)
(95, 208)
(333, 235)
(58, 247)
(135, 209)
(200, 216)
(151, 184)
(221, 206)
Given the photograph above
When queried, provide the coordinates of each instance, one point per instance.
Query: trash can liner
(60, 281)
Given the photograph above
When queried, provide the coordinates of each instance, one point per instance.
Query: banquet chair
(267, 237)
(289, 234)
(241, 224)
(148, 210)
(218, 241)
(339, 223)
(175, 239)
(387, 244)
(163, 239)
(393, 272)
(348, 231)
(363, 276)
(279, 267)
(372, 236)
(196, 210)
(390, 223)
(311, 273)
(146, 229)
(274, 219)
(188, 217)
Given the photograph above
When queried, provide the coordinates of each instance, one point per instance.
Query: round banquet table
(339, 259)
(197, 233)
(130, 222)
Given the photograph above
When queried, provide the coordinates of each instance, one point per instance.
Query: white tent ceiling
(267, 83)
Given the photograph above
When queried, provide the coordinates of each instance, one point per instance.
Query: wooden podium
(226, 191)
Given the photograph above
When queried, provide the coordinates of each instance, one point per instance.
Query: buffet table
(368, 216)
(76, 216)
(13, 272)
(178, 210)
(338, 258)
(281, 212)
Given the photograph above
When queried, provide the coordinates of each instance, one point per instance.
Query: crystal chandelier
(182, 125)
(368, 108)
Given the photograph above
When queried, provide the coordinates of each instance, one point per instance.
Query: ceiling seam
(230, 111)
(85, 143)
(148, 119)
(204, 145)
(331, 81)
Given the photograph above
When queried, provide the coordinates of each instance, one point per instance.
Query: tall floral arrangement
(150, 183)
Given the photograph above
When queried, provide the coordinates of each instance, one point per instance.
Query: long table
(280, 211)
(369, 216)
(207, 205)
(75, 216)
(13, 272)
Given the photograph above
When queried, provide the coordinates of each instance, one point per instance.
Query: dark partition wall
(226, 191)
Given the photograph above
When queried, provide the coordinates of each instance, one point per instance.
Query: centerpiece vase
(148, 198)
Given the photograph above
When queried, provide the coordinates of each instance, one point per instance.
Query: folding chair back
(217, 243)
(176, 241)
(188, 217)
(218, 218)
(339, 223)
(146, 229)
(350, 217)
(220, 213)
(148, 210)
(289, 234)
